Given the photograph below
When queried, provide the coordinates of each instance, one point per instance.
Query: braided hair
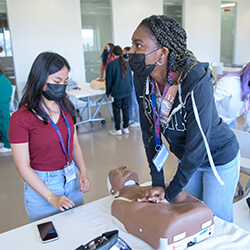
(170, 34)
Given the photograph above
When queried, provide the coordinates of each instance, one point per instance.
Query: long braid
(170, 34)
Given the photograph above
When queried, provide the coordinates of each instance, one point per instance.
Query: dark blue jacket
(182, 132)
(115, 85)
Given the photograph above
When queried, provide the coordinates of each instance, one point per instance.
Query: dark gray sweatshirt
(187, 131)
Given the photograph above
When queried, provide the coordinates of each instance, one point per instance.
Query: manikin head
(119, 177)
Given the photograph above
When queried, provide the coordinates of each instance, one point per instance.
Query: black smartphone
(47, 232)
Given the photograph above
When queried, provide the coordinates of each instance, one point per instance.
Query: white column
(48, 25)
(128, 14)
(203, 26)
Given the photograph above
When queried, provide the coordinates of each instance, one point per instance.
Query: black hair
(127, 48)
(117, 50)
(45, 64)
(169, 33)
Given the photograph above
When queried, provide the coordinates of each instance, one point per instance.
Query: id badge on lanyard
(162, 152)
(160, 157)
(70, 172)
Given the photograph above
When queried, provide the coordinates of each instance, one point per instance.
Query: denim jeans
(38, 207)
(233, 124)
(134, 107)
(219, 198)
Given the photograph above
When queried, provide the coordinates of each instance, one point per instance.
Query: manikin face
(119, 176)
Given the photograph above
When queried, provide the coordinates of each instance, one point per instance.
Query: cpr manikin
(176, 225)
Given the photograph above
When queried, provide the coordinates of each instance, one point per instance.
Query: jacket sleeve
(222, 90)
(195, 151)
(147, 128)
(108, 79)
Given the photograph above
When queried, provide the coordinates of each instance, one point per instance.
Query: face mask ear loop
(152, 51)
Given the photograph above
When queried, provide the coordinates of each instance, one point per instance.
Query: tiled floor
(101, 152)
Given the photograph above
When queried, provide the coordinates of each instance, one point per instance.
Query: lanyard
(157, 115)
(59, 133)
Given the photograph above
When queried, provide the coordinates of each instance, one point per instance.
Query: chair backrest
(12, 95)
(244, 141)
(13, 100)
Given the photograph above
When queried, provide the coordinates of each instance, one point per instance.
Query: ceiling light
(227, 5)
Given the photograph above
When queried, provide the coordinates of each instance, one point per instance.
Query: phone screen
(47, 232)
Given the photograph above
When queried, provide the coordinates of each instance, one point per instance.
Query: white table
(84, 93)
(231, 69)
(242, 214)
(82, 224)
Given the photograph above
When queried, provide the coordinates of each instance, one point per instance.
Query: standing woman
(175, 95)
(119, 85)
(232, 97)
(44, 141)
(106, 58)
(133, 107)
(5, 95)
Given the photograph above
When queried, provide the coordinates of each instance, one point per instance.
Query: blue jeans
(219, 198)
(38, 207)
(233, 124)
(134, 107)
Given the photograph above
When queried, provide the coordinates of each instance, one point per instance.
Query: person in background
(133, 107)
(106, 58)
(119, 85)
(177, 101)
(232, 97)
(44, 141)
(5, 95)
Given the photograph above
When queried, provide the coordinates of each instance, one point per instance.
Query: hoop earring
(160, 62)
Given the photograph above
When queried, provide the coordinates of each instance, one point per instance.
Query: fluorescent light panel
(227, 5)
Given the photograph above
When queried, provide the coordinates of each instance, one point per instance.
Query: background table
(242, 214)
(84, 95)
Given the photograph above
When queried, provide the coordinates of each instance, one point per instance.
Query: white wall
(202, 23)
(47, 25)
(127, 14)
(242, 37)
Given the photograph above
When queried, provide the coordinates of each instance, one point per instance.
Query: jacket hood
(189, 81)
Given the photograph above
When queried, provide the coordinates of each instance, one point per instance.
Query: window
(173, 9)
(96, 33)
(88, 39)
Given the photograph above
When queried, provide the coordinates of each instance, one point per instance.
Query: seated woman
(182, 222)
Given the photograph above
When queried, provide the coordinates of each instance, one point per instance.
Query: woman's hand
(61, 202)
(100, 79)
(85, 184)
(155, 194)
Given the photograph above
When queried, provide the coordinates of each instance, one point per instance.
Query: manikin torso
(160, 224)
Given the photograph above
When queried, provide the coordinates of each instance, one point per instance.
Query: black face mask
(105, 52)
(125, 56)
(55, 92)
(137, 64)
